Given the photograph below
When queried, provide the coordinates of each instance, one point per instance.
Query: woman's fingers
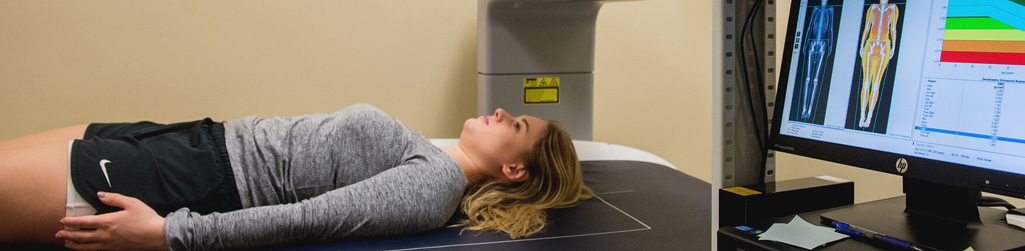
(88, 221)
(120, 201)
(80, 236)
(117, 200)
(97, 221)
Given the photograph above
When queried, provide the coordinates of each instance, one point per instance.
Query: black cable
(760, 85)
(747, 82)
(760, 76)
(997, 204)
(988, 201)
(749, 20)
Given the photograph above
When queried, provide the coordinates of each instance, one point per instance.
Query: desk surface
(638, 205)
(998, 236)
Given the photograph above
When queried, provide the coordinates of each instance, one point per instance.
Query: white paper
(801, 233)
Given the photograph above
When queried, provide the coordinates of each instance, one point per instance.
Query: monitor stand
(953, 205)
(922, 217)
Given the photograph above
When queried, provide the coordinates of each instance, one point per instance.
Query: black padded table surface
(638, 206)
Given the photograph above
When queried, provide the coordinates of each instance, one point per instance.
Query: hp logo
(902, 165)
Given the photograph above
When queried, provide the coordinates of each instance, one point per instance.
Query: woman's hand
(137, 227)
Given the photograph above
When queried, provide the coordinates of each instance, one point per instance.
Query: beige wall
(869, 185)
(71, 62)
(653, 80)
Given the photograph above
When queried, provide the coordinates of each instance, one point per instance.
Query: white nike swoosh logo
(103, 166)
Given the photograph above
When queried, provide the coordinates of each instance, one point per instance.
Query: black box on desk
(739, 205)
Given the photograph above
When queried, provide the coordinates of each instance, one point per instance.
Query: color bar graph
(984, 32)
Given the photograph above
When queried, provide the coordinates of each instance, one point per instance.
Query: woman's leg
(33, 186)
(55, 135)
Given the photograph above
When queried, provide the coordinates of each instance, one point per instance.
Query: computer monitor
(931, 90)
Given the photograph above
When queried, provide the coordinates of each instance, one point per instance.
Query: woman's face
(500, 139)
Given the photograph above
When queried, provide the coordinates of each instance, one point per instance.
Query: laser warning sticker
(541, 90)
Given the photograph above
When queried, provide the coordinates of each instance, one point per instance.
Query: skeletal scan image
(874, 71)
(817, 45)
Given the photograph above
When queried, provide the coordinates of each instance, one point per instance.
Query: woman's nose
(500, 114)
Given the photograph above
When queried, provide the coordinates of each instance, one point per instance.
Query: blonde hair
(518, 209)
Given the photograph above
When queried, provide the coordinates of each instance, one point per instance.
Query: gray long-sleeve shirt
(356, 172)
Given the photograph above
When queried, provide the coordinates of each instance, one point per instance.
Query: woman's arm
(405, 199)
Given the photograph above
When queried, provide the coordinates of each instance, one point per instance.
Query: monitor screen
(933, 90)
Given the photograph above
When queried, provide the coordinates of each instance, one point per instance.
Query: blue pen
(859, 231)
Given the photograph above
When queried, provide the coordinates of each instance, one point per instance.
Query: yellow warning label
(742, 191)
(541, 82)
(541, 90)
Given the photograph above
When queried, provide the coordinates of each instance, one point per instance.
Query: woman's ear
(515, 172)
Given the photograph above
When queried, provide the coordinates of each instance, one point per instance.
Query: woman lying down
(256, 181)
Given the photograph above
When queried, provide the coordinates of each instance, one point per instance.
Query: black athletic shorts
(165, 166)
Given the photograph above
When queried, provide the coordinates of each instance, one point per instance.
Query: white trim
(621, 211)
(614, 192)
